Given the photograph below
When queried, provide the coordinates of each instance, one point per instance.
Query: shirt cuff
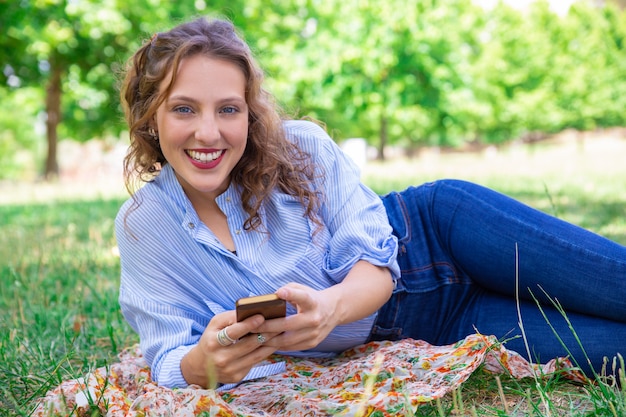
(169, 373)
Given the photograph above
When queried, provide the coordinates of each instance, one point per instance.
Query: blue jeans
(458, 245)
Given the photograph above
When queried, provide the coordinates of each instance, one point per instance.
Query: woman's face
(203, 124)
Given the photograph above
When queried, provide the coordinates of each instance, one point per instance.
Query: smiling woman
(202, 129)
(240, 201)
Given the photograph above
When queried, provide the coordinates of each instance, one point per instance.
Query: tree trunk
(53, 111)
(383, 138)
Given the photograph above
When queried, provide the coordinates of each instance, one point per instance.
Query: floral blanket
(378, 378)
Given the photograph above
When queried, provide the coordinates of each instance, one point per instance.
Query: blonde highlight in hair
(270, 161)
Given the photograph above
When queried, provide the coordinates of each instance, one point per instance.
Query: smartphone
(269, 305)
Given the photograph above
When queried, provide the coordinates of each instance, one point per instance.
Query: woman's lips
(205, 159)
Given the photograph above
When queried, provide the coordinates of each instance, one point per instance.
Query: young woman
(236, 201)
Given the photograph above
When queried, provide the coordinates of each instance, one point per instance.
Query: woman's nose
(207, 129)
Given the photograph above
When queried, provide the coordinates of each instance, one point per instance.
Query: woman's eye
(229, 110)
(182, 109)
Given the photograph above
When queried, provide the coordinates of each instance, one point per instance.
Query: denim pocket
(424, 264)
(426, 278)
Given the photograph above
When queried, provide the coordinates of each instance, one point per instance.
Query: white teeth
(203, 156)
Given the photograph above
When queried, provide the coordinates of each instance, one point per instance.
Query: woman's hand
(316, 317)
(363, 291)
(209, 362)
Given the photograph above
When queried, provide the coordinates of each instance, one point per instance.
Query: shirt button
(228, 199)
(238, 231)
(191, 225)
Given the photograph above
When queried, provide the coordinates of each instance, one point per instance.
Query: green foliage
(86, 41)
(448, 72)
(73, 52)
(427, 72)
(18, 131)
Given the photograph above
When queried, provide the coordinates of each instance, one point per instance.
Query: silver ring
(260, 338)
(223, 338)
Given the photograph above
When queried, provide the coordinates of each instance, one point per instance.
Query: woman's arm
(360, 252)
(364, 290)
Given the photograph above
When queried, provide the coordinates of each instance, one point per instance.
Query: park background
(528, 97)
(451, 74)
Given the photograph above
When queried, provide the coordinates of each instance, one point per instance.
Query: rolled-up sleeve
(354, 214)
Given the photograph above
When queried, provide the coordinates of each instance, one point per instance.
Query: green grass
(58, 291)
(59, 275)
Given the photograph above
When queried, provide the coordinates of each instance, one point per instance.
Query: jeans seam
(408, 227)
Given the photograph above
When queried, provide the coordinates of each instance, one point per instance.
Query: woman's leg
(464, 250)
(501, 243)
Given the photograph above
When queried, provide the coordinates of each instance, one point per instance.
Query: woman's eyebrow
(182, 97)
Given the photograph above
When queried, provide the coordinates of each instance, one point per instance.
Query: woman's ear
(153, 133)
(153, 129)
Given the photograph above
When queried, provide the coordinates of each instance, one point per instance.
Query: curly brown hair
(269, 162)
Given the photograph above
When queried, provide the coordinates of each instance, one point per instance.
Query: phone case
(269, 305)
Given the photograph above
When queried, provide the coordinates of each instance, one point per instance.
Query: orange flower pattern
(378, 378)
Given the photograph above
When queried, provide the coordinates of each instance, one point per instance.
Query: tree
(428, 72)
(514, 74)
(72, 50)
(43, 42)
(377, 70)
(591, 92)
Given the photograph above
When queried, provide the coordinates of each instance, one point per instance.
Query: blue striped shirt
(176, 275)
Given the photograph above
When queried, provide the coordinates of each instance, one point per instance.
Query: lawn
(59, 271)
